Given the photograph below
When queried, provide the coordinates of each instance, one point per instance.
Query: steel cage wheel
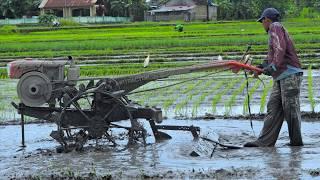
(134, 132)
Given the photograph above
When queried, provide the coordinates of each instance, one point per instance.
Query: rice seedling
(135, 40)
(200, 37)
(310, 89)
(170, 100)
(182, 105)
(141, 43)
(264, 95)
(251, 92)
(202, 97)
(190, 92)
(124, 68)
(3, 74)
(235, 93)
(191, 86)
(146, 98)
(167, 103)
(217, 97)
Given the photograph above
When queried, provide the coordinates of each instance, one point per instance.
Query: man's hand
(256, 74)
(269, 69)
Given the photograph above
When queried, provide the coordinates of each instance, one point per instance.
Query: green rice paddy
(121, 49)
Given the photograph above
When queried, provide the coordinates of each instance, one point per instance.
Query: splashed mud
(168, 159)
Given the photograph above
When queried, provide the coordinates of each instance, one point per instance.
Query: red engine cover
(17, 68)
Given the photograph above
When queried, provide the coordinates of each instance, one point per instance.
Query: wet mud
(167, 159)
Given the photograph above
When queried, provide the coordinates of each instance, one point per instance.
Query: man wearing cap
(283, 65)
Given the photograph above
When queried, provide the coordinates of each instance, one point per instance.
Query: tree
(136, 9)
(18, 8)
(120, 7)
(133, 8)
(8, 8)
(225, 6)
(250, 9)
(114, 7)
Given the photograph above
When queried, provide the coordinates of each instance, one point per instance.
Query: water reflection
(278, 162)
(284, 163)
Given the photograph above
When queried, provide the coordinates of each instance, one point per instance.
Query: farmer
(283, 65)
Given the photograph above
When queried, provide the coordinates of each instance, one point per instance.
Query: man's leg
(273, 120)
(291, 105)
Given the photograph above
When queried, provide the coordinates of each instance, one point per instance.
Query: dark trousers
(284, 104)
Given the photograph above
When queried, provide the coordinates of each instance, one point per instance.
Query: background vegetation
(125, 46)
(228, 9)
(250, 9)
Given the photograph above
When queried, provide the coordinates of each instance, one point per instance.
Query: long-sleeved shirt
(281, 52)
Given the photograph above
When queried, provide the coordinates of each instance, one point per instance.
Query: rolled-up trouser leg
(274, 118)
(290, 93)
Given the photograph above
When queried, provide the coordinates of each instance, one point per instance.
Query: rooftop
(173, 8)
(66, 3)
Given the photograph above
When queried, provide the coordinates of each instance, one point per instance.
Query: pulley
(34, 89)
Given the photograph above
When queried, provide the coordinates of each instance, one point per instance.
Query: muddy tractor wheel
(97, 109)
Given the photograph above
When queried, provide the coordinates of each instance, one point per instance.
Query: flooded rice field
(167, 159)
(221, 94)
(217, 96)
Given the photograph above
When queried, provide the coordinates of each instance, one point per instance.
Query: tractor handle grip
(237, 66)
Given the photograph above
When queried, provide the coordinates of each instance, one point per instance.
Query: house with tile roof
(69, 8)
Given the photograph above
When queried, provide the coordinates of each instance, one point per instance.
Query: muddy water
(169, 159)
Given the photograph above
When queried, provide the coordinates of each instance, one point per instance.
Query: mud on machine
(90, 108)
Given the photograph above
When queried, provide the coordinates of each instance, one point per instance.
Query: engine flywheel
(34, 89)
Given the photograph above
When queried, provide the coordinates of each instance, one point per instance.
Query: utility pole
(207, 12)
(208, 2)
(65, 8)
